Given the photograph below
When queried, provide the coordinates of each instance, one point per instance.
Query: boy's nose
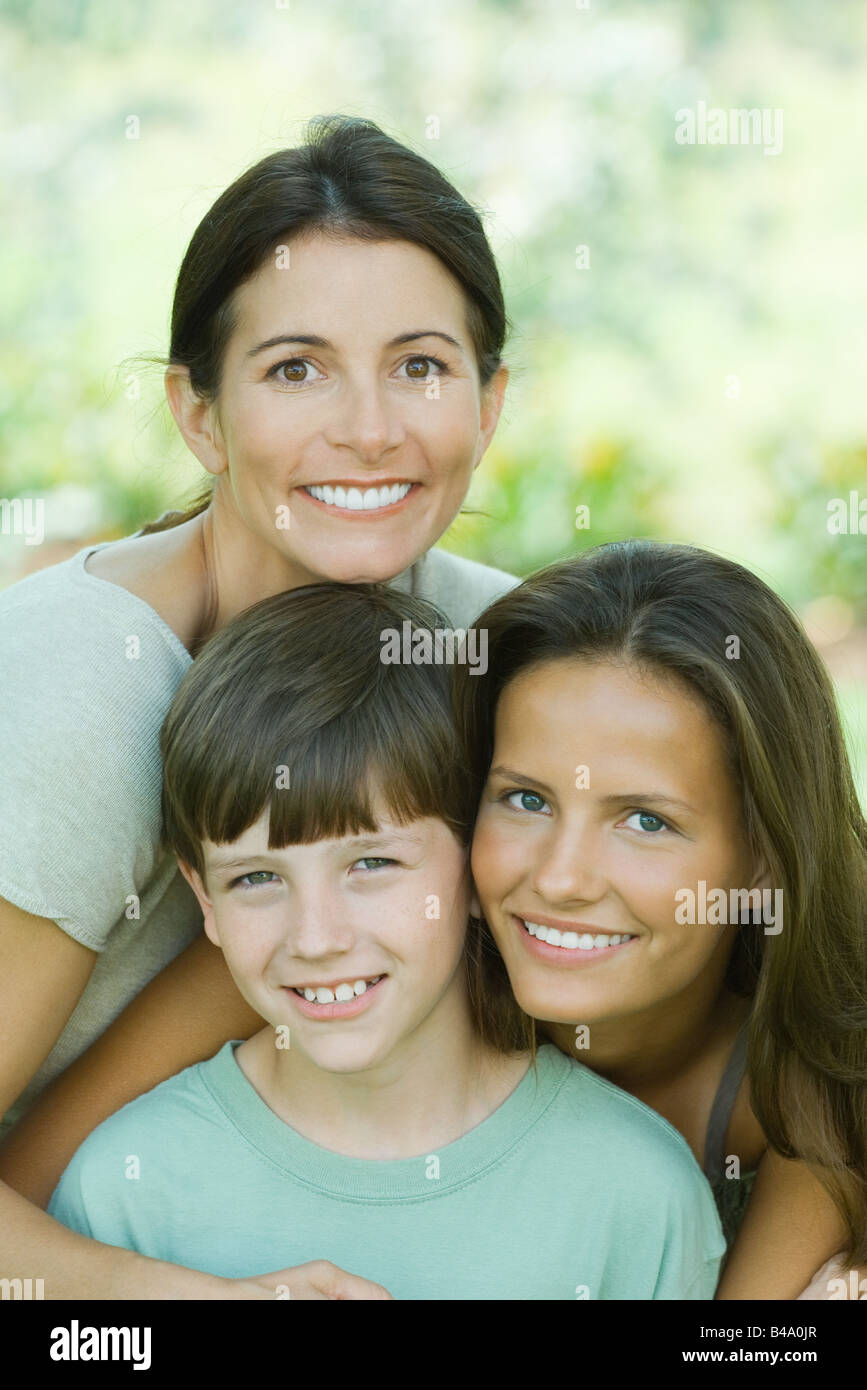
(316, 930)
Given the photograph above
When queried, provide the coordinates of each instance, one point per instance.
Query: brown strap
(723, 1105)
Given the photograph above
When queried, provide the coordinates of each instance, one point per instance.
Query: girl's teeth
(571, 941)
(354, 500)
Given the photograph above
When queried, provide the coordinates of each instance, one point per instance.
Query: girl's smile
(570, 944)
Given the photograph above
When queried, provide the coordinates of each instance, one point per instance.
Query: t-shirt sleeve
(88, 675)
(694, 1243)
(68, 1204)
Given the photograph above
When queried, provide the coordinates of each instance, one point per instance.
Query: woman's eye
(647, 821)
(527, 801)
(294, 364)
(255, 879)
(414, 361)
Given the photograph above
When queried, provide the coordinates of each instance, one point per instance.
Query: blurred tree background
(694, 373)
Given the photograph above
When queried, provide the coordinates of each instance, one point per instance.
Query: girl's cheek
(494, 858)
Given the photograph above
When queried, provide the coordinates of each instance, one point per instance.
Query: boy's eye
(374, 863)
(528, 801)
(647, 821)
(255, 879)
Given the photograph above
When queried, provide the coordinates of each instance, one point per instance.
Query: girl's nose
(569, 867)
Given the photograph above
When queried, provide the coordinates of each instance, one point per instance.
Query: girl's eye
(373, 863)
(528, 801)
(255, 879)
(647, 821)
(443, 369)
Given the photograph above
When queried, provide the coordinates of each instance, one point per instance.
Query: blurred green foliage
(695, 374)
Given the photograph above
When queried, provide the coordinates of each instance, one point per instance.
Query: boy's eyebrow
(369, 841)
(235, 861)
(313, 340)
(224, 861)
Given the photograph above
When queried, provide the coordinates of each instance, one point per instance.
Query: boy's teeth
(341, 995)
(355, 499)
(572, 941)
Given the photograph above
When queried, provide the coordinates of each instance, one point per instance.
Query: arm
(791, 1227)
(183, 1016)
(44, 974)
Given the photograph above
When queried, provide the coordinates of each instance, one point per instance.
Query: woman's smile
(360, 500)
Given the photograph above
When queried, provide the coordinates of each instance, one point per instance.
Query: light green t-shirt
(571, 1189)
(88, 673)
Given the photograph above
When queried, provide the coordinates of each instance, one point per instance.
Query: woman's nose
(366, 419)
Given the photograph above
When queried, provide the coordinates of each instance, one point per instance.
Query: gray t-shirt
(89, 672)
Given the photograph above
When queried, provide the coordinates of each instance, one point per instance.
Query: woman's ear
(196, 419)
(195, 881)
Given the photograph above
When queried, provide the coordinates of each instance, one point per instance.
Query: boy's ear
(194, 880)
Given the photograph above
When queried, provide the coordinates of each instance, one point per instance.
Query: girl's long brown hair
(347, 179)
(676, 609)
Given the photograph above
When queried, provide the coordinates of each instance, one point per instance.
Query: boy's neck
(434, 1086)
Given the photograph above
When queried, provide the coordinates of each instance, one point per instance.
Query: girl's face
(338, 441)
(608, 793)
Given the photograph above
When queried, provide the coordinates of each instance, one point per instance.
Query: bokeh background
(696, 373)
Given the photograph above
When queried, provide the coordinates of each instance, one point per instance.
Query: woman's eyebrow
(312, 340)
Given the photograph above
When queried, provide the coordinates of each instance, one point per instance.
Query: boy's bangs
(339, 789)
(338, 782)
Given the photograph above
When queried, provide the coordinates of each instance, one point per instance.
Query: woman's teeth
(353, 499)
(572, 941)
(341, 995)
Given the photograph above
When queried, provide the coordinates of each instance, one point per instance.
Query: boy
(384, 1119)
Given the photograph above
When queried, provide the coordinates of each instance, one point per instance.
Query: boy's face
(390, 906)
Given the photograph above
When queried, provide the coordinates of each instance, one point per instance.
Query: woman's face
(655, 811)
(346, 452)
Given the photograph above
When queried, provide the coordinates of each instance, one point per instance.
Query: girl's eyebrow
(312, 340)
(639, 799)
(508, 774)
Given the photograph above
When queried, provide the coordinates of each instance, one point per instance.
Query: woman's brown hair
(715, 626)
(348, 179)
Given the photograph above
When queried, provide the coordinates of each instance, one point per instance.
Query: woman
(335, 366)
(671, 858)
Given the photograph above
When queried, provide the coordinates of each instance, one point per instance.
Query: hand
(316, 1279)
